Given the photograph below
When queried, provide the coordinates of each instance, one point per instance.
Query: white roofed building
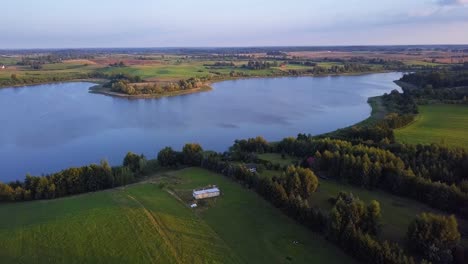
(206, 193)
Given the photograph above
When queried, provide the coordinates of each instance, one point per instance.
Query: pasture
(443, 124)
(149, 223)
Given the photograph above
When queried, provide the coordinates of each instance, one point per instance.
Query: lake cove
(50, 127)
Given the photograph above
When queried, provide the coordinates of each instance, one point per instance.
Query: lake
(46, 128)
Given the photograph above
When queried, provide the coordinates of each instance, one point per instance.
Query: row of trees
(96, 177)
(259, 65)
(72, 181)
(221, 64)
(374, 167)
(437, 163)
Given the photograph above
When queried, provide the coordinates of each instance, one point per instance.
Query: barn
(213, 191)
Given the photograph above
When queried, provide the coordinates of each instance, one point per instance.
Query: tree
(433, 236)
(42, 188)
(167, 157)
(192, 154)
(107, 175)
(132, 161)
(350, 212)
(6, 192)
(309, 182)
(371, 222)
(301, 181)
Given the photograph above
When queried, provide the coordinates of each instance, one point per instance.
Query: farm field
(138, 224)
(443, 124)
(146, 223)
(257, 231)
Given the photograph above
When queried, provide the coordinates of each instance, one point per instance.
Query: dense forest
(447, 86)
(436, 79)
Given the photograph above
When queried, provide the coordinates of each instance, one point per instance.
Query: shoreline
(97, 89)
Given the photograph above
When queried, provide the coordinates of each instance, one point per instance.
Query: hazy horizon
(51, 24)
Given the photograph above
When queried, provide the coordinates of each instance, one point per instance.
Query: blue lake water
(46, 128)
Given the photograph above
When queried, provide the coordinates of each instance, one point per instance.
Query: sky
(227, 23)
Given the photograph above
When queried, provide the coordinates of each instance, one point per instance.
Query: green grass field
(255, 230)
(276, 158)
(171, 71)
(444, 124)
(144, 223)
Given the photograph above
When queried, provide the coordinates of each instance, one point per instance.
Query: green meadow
(151, 222)
(437, 123)
(276, 158)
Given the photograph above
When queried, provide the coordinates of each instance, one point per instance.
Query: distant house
(213, 191)
(3, 67)
(251, 167)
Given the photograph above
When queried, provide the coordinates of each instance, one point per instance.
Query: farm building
(2, 67)
(206, 193)
(251, 167)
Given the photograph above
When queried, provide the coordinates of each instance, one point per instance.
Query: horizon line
(233, 47)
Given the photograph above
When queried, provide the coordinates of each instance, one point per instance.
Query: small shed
(206, 193)
(251, 167)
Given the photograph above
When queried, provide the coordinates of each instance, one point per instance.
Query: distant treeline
(448, 78)
(236, 50)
